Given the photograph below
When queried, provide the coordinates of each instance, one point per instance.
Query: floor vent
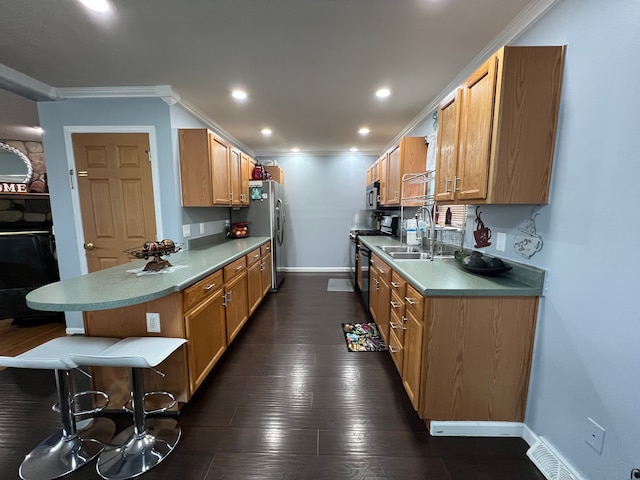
(549, 463)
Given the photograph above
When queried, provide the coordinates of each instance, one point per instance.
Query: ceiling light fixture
(383, 92)
(295, 149)
(101, 6)
(354, 149)
(239, 94)
(364, 131)
(266, 132)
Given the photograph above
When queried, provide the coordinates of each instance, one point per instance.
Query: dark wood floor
(287, 401)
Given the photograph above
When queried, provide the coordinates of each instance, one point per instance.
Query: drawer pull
(410, 301)
(392, 349)
(394, 304)
(210, 286)
(239, 267)
(393, 325)
(404, 320)
(395, 285)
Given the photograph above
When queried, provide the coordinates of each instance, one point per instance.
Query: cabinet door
(412, 357)
(447, 154)
(383, 162)
(477, 120)
(237, 305)
(206, 335)
(265, 267)
(235, 178)
(195, 167)
(394, 177)
(245, 175)
(384, 297)
(219, 153)
(396, 350)
(254, 286)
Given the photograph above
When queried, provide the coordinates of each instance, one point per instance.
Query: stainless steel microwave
(371, 201)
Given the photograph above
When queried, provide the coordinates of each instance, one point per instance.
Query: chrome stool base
(59, 455)
(139, 453)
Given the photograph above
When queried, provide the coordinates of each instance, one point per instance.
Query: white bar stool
(66, 450)
(148, 441)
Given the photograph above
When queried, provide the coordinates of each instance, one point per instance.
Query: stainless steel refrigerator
(266, 217)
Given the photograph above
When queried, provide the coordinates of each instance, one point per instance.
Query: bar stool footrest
(172, 397)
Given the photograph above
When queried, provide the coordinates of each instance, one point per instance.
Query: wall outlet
(186, 230)
(594, 435)
(201, 228)
(153, 322)
(501, 241)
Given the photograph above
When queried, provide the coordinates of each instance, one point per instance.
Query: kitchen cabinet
(408, 156)
(265, 268)
(380, 294)
(254, 280)
(372, 173)
(205, 326)
(412, 344)
(246, 166)
(497, 132)
(236, 297)
(204, 168)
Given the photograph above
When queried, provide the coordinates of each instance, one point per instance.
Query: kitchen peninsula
(206, 299)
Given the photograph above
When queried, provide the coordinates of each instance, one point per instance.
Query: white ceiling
(310, 66)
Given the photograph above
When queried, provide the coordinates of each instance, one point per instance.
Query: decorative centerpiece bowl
(155, 250)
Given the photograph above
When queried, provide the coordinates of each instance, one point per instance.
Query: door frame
(75, 197)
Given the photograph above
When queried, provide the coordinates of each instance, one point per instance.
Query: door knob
(89, 246)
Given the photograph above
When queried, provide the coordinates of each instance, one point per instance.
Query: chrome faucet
(432, 228)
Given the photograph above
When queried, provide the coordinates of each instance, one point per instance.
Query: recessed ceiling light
(266, 132)
(239, 94)
(354, 149)
(383, 92)
(364, 131)
(102, 6)
(295, 149)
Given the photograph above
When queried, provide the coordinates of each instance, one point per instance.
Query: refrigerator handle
(280, 221)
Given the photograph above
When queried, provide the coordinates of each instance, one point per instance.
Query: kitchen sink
(410, 255)
(397, 249)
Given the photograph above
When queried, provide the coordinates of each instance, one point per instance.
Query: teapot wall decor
(15, 170)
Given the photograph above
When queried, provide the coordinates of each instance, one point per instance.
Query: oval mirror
(15, 166)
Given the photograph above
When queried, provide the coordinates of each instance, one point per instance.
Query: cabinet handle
(382, 271)
(224, 300)
(239, 267)
(446, 185)
(231, 196)
(393, 325)
(404, 319)
(209, 287)
(257, 255)
(394, 304)
(392, 349)
(410, 301)
(395, 285)
(262, 267)
(455, 184)
(230, 299)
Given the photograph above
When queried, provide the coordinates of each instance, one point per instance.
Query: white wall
(322, 194)
(586, 359)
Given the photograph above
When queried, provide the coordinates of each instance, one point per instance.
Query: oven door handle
(365, 251)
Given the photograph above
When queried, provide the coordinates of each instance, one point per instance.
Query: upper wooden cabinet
(409, 156)
(497, 133)
(373, 173)
(212, 171)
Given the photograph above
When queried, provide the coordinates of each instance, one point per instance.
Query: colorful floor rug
(363, 337)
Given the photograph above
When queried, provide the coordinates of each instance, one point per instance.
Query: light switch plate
(501, 241)
(186, 230)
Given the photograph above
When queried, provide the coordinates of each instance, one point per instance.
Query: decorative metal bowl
(155, 250)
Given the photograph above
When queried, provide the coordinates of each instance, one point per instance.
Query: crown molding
(525, 19)
(316, 153)
(26, 86)
(165, 92)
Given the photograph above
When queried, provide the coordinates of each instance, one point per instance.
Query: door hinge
(71, 178)
(148, 154)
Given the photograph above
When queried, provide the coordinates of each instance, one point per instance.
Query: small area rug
(339, 285)
(363, 337)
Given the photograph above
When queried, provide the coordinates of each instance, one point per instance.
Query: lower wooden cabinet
(254, 286)
(412, 344)
(207, 333)
(237, 304)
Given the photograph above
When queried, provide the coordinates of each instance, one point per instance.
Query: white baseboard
(75, 331)
(476, 429)
(529, 436)
(317, 269)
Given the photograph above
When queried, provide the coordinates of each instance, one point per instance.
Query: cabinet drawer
(397, 304)
(234, 268)
(265, 248)
(253, 256)
(398, 285)
(397, 325)
(414, 302)
(383, 269)
(194, 294)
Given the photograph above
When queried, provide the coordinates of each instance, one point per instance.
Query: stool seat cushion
(133, 352)
(55, 354)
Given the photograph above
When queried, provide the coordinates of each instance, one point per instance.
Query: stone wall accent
(34, 212)
(35, 152)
